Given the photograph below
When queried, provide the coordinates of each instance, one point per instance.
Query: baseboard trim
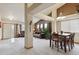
(29, 47)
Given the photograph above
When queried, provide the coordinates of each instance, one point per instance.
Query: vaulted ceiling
(44, 9)
(39, 10)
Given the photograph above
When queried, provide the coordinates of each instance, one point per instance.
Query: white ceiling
(12, 9)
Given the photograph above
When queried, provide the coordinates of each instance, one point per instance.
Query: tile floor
(15, 46)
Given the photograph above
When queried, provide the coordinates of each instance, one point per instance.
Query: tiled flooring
(40, 47)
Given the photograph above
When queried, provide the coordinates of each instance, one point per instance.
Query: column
(58, 26)
(28, 29)
(52, 26)
(54, 21)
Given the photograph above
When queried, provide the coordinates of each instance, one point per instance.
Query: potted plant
(46, 33)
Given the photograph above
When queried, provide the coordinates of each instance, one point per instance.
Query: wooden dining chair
(65, 42)
(72, 40)
(55, 40)
(68, 40)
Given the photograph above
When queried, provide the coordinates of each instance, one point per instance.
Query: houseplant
(46, 33)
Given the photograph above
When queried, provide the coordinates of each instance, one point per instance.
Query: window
(12, 27)
(23, 27)
(38, 26)
(70, 26)
(41, 26)
(45, 25)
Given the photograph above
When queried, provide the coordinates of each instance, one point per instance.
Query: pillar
(54, 21)
(58, 26)
(52, 25)
(28, 29)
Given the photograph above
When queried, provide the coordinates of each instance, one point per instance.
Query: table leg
(61, 45)
(65, 46)
(50, 42)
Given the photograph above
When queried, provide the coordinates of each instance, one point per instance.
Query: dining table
(65, 35)
(64, 40)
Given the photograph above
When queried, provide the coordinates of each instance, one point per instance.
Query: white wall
(23, 27)
(8, 31)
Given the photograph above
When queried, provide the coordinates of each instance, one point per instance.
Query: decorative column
(28, 29)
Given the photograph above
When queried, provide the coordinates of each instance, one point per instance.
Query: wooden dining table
(64, 40)
(65, 35)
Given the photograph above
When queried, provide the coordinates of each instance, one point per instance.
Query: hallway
(41, 47)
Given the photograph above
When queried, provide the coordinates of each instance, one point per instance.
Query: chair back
(72, 36)
(55, 36)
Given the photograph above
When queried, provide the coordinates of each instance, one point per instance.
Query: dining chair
(55, 40)
(65, 42)
(68, 40)
(72, 40)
